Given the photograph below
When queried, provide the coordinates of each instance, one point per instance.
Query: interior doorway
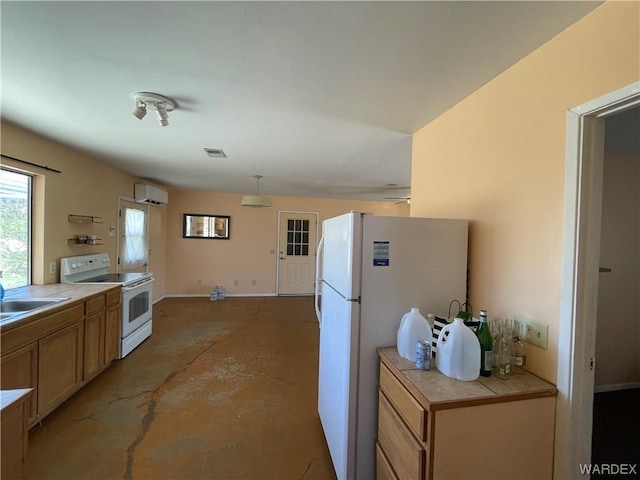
(297, 233)
(615, 435)
(580, 276)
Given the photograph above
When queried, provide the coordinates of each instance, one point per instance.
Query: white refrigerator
(371, 271)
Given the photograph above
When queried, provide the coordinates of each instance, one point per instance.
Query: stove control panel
(84, 264)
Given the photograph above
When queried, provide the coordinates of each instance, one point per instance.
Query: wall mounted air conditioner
(150, 194)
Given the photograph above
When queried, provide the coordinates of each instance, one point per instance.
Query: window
(135, 239)
(15, 228)
(298, 238)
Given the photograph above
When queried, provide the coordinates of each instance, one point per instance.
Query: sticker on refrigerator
(380, 254)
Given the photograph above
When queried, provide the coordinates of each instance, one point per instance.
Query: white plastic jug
(413, 327)
(458, 352)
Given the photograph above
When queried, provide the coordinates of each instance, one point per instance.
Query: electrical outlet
(199, 282)
(235, 283)
(52, 268)
(253, 282)
(534, 333)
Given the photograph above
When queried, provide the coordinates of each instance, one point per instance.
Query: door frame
(580, 270)
(315, 246)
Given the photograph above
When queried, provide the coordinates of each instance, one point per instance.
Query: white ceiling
(319, 97)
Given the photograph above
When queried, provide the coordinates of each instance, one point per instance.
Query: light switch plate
(535, 333)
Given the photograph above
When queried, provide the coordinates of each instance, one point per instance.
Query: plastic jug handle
(442, 337)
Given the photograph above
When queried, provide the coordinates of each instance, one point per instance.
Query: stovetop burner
(114, 278)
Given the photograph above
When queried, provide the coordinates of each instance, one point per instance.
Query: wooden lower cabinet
(112, 328)
(434, 427)
(403, 450)
(59, 366)
(20, 370)
(14, 434)
(94, 329)
(57, 354)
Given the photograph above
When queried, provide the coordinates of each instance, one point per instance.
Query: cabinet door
(59, 366)
(94, 329)
(20, 370)
(112, 334)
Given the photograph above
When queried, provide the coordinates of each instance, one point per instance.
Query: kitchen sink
(20, 306)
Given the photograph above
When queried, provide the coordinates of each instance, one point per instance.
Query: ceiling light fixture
(256, 200)
(141, 110)
(162, 104)
(163, 116)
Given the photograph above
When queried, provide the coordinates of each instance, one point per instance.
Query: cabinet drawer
(383, 467)
(113, 297)
(94, 305)
(408, 408)
(31, 331)
(405, 454)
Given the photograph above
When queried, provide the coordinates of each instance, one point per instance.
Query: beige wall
(85, 187)
(89, 187)
(250, 253)
(497, 158)
(618, 330)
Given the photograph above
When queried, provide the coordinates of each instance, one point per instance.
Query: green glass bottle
(486, 345)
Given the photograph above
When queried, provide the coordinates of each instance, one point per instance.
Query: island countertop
(435, 391)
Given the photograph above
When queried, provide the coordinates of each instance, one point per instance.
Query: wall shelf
(73, 242)
(84, 219)
(84, 239)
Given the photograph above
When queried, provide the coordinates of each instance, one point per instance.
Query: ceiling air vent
(215, 152)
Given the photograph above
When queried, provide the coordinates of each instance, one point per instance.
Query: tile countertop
(74, 292)
(8, 397)
(436, 391)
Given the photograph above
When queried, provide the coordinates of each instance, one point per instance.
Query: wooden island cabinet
(14, 435)
(56, 352)
(431, 426)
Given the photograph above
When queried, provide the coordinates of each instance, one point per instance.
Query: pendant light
(256, 200)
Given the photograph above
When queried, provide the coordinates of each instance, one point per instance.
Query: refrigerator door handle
(318, 280)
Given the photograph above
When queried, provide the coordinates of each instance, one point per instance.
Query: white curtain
(135, 244)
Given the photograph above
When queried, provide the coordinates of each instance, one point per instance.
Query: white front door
(297, 253)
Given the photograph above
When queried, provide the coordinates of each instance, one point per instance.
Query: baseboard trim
(206, 295)
(618, 386)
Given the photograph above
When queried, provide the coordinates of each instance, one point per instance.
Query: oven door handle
(137, 285)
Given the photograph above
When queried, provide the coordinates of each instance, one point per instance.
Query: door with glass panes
(133, 244)
(297, 253)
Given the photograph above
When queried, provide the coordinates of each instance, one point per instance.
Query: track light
(163, 116)
(162, 104)
(141, 110)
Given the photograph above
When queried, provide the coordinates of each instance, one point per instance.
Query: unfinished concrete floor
(221, 390)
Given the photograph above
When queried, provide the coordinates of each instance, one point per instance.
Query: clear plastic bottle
(222, 294)
(1, 287)
(213, 296)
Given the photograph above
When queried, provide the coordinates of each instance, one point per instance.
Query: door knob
(283, 258)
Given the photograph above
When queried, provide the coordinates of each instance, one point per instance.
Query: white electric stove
(136, 296)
